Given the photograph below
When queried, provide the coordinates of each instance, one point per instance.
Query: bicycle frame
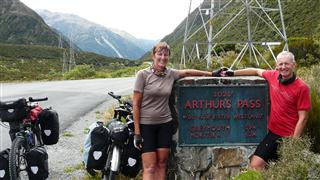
(115, 150)
(30, 133)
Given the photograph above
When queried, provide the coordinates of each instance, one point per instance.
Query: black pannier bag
(131, 159)
(37, 163)
(87, 141)
(4, 164)
(13, 111)
(100, 142)
(49, 123)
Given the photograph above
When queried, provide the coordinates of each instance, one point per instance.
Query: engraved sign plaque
(222, 115)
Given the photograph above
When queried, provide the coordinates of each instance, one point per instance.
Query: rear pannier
(49, 123)
(37, 163)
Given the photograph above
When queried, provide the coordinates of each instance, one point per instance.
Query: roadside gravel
(65, 158)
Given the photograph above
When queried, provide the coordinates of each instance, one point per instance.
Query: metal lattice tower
(253, 26)
(64, 55)
(72, 61)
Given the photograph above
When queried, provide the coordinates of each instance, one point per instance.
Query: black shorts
(156, 136)
(267, 149)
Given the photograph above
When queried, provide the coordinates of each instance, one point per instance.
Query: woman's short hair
(159, 47)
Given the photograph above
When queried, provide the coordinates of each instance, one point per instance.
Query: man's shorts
(267, 149)
(156, 136)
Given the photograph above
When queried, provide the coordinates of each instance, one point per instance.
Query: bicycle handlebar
(19, 103)
(117, 97)
(31, 99)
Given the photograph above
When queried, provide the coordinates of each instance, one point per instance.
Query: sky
(144, 19)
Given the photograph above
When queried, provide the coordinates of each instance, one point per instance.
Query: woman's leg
(149, 161)
(164, 140)
(162, 157)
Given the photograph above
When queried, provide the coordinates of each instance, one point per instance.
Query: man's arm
(303, 117)
(249, 72)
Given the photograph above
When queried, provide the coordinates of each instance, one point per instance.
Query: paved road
(71, 99)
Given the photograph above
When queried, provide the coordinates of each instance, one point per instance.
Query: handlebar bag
(119, 132)
(15, 111)
(49, 123)
(131, 160)
(100, 142)
(4, 164)
(37, 163)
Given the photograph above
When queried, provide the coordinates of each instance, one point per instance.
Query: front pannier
(100, 142)
(49, 123)
(37, 163)
(131, 160)
(4, 164)
(13, 111)
(87, 141)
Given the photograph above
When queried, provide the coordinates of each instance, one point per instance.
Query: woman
(152, 116)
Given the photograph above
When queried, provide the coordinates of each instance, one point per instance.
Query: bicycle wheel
(108, 173)
(112, 175)
(17, 161)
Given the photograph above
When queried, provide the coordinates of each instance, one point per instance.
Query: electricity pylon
(252, 26)
(72, 60)
(64, 55)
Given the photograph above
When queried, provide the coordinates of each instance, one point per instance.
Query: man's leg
(265, 152)
(257, 163)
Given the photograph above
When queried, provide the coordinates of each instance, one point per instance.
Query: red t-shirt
(286, 101)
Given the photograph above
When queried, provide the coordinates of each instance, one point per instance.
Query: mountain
(21, 25)
(144, 44)
(95, 38)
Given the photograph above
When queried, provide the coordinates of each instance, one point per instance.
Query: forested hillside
(39, 62)
(301, 20)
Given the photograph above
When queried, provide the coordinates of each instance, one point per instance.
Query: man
(290, 104)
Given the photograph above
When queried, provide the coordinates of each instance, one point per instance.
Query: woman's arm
(193, 72)
(137, 99)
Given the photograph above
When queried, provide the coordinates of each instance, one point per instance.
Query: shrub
(305, 50)
(295, 162)
(80, 72)
(249, 175)
(312, 76)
